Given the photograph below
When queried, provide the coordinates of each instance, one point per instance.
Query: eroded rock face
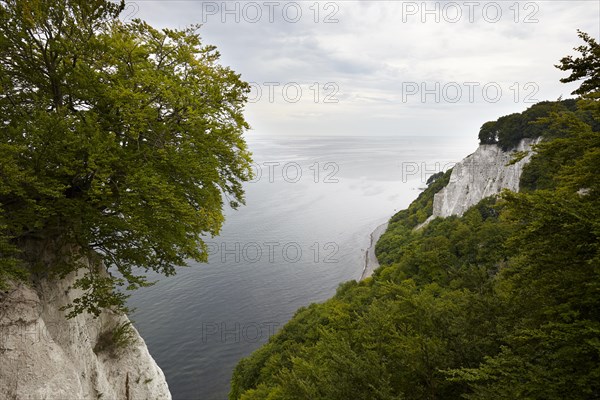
(484, 173)
(45, 356)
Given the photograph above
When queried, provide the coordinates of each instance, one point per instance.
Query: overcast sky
(386, 67)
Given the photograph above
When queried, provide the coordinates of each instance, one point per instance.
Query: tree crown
(117, 138)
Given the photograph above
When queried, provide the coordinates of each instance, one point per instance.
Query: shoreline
(371, 263)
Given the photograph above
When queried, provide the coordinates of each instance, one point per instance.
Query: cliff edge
(484, 173)
(43, 355)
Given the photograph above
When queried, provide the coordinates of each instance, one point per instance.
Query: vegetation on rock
(115, 138)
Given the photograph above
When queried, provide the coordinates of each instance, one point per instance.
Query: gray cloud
(376, 48)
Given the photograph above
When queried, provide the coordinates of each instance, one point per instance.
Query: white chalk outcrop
(484, 173)
(45, 356)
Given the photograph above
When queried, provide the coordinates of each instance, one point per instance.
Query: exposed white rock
(45, 356)
(484, 173)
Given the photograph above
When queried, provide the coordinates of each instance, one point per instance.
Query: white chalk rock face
(45, 356)
(484, 173)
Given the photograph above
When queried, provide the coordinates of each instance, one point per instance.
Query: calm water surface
(304, 230)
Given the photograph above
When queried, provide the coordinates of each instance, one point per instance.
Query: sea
(304, 230)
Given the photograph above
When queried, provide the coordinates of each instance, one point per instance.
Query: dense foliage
(115, 138)
(510, 129)
(501, 303)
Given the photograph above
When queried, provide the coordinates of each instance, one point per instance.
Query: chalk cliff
(484, 173)
(45, 356)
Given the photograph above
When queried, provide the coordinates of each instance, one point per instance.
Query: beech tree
(586, 67)
(117, 139)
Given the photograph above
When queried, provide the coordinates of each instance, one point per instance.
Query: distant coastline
(371, 263)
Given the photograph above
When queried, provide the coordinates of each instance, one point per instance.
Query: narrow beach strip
(371, 262)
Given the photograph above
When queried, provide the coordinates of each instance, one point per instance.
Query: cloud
(376, 48)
